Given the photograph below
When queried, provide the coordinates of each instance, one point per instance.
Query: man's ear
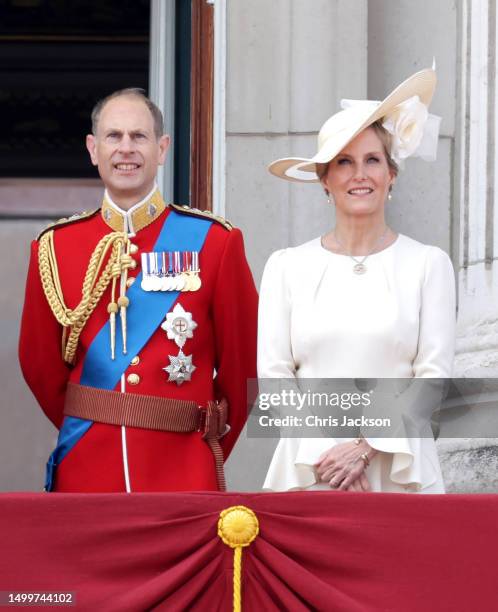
(91, 145)
(164, 143)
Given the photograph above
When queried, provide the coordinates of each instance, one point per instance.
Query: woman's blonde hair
(385, 138)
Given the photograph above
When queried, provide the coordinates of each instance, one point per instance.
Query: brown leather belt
(150, 412)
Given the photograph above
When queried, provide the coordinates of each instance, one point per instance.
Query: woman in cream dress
(360, 301)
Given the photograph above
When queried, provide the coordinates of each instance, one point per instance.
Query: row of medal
(171, 271)
(179, 326)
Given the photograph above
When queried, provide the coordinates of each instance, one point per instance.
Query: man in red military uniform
(154, 308)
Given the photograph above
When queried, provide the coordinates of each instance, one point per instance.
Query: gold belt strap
(150, 412)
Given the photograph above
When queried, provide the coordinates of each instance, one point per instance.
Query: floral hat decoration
(404, 114)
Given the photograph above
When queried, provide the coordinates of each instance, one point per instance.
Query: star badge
(180, 368)
(179, 325)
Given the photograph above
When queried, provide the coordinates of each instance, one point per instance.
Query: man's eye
(139, 136)
(113, 135)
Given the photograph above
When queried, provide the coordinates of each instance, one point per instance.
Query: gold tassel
(238, 527)
(64, 340)
(123, 303)
(112, 309)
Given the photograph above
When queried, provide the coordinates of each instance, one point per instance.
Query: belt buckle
(202, 419)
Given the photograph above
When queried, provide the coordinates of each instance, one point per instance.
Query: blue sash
(145, 313)
(72, 430)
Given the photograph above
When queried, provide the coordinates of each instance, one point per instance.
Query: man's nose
(126, 144)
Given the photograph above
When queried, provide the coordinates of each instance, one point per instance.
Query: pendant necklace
(359, 264)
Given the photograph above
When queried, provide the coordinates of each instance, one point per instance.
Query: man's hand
(343, 468)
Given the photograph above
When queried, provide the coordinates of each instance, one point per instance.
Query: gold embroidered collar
(139, 216)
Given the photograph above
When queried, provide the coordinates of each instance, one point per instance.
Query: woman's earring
(390, 195)
(330, 198)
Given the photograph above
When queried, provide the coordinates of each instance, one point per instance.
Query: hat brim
(303, 170)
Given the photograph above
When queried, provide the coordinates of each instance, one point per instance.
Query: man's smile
(126, 167)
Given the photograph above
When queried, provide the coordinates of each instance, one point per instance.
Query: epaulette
(207, 214)
(68, 221)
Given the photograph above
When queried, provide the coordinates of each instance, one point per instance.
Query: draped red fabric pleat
(315, 551)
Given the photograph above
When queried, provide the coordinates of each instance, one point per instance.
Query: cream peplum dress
(317, 319)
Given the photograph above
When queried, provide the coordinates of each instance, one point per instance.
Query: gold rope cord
(238, 527)
(95, 283)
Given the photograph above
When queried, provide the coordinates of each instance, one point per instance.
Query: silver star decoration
(151, 209)
(180, 368)
(179, 325)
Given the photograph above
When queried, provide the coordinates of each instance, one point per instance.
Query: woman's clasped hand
(343, 466)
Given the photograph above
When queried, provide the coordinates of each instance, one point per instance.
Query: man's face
(126, 150)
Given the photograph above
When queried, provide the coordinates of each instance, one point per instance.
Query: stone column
(478, 265)
(470, 464)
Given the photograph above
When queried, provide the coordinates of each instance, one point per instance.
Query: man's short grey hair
(135, 92)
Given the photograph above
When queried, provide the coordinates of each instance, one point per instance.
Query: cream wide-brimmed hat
(404, 114)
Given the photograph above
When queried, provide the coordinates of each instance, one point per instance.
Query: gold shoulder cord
(97, 279)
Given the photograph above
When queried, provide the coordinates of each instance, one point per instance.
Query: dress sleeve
(40, 347)
(414, 459)
(436, 344)
(275, 359)
(235, 307)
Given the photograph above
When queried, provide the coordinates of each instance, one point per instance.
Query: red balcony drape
(315, 551)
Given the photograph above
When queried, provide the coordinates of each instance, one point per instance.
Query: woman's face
(359, 177)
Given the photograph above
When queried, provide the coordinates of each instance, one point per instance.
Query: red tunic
(225, 310)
